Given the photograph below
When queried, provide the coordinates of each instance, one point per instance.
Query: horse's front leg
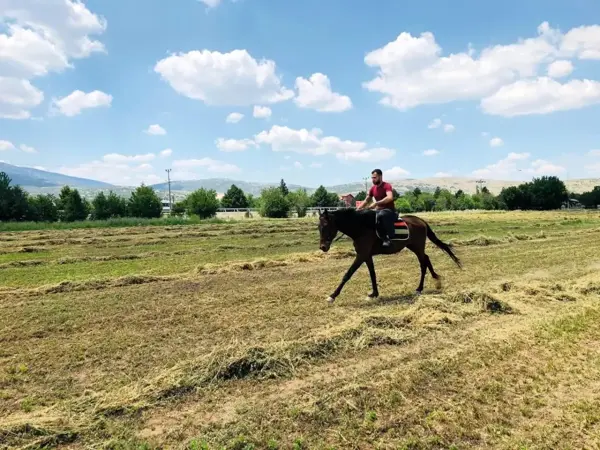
(355, 265)
(371, 266)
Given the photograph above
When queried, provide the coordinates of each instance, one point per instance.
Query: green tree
(403, 205)
(42, 208)
(144, 203)
(283, 187)
(299, 201)
(252, 201)
(361, 196)
(72, 207)
(321, 198)
(178, 209)
(234, 198)
(437, 192)
(117, 205)
(548, 192)
(14, 204)
(100, 207)
(203, 203)
(273, 203)
(417, 192)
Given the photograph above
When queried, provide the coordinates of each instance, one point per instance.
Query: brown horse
(360, 226)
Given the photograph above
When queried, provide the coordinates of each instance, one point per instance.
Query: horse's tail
(442, 245)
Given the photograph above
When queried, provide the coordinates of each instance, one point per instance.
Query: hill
(28, 178)
(40, 181)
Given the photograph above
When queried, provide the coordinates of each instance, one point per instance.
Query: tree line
(544, 193)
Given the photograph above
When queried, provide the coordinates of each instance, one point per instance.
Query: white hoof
(330, 300)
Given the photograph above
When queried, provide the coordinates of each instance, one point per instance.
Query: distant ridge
(41, 181)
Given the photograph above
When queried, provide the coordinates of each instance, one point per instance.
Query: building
(348, 199)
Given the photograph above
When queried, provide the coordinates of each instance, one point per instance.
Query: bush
(274, 204)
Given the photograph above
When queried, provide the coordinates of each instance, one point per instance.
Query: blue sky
(506, 90)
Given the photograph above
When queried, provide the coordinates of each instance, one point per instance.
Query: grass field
(218, 335)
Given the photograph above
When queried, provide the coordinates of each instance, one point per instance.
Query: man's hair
(378, 172)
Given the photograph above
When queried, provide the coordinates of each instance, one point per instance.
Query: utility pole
(169, 182)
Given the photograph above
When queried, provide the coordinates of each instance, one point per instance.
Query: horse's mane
(364, 218)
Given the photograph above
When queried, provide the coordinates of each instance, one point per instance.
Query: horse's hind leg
(436, 277)
(423, 263)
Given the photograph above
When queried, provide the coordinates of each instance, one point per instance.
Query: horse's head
(327, 230)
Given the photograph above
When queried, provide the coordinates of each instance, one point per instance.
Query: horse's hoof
(417, 293)
(370, 297)
(330, 300)
(438, 284)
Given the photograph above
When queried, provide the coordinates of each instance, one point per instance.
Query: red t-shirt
(379, 191)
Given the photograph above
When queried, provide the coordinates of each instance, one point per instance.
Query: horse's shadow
(395, 299)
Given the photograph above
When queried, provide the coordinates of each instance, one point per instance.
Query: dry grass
(218, 335)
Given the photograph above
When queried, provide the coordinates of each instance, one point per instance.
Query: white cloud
(431, 152)
(211, 3)
(211, 165)
(261, 112)
(166, 153)
(234, 117)
(156, 130)
(17, 97)
(285, 139)
(74, 103)
(315, 93)
(216, 78)
(395, 172)
(121, 171)
(584, 42)
(27, 149)
(39, 38)
(234, 145)
(594, 152)
(543, 167)
(118, 158)
(316, 165)
(6, 145)
(513, 163)
(373, 155)
(541, 96)
(435, 123)
(298, 165)
(449, 128)
(413, 72)
(442, 174)
(496, 142)
(560, 68)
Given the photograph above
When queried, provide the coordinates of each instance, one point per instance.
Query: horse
(360, 226)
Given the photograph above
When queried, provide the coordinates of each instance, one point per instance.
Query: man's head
(376, 176)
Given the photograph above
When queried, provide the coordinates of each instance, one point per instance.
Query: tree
(100, 207)
(283, 187)
(361, 196)
(459, 193)
(273, 203)
(203, 203)
(71, 206)
(234, 198)
(178, 209)
(42, 208)
(548, 192)
(395, 194)
(403, 205)
(437, 192)
(144, 203)
(299, 201)
(322, 199)
(417, 192)
(14, 204)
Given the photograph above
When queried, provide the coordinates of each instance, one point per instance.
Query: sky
(315, 92)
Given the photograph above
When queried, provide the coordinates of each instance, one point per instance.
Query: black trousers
(385, 222)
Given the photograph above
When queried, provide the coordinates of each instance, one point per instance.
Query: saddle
(396, 227)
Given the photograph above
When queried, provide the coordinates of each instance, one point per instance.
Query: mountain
(40, 181)
(220, 185)
(28, 178)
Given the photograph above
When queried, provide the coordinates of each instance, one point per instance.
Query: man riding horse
(382, 192)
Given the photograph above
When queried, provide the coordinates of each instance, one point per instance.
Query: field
(218, 335)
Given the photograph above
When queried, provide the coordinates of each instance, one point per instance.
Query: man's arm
(366, 202)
